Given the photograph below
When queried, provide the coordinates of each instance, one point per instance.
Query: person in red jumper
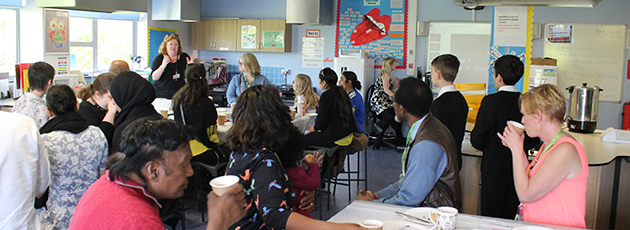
(153, 163)
(305, 178)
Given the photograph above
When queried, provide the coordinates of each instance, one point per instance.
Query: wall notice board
(594, 54)
(469, 41)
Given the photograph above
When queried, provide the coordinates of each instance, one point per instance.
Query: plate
(526, 227)
(402, 225)
(422, 212)
(311, 115)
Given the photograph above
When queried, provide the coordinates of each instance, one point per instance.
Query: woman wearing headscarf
(133, 95)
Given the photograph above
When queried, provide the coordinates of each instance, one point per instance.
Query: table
(360, 210)
(301, 123)
(7, 104)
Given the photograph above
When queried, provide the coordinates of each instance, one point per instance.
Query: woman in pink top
(552, 188)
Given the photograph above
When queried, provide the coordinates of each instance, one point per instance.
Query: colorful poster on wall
(376, 27)
(56, 31)
(273, 39)
(510, 26)
(559, 33)
(248, 37)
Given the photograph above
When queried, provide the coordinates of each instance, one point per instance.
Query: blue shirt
(234, 90)
(427, 161)
(358, 109)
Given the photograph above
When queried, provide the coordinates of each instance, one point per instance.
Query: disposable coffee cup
(518, 127)
(292, 114)
(164, 113)
(372, 224)
(221, 119)
(223, 183)
(232, 105)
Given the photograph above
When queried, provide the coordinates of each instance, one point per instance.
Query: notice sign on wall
(312, 52)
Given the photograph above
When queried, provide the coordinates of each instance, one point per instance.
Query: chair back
(473, 93)
(370, 116)
(81, 78)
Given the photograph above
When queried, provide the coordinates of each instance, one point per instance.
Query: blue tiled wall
(272, 73)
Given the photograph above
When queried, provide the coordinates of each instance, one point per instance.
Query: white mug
(445, 218)
(372, 224)
(221, 184)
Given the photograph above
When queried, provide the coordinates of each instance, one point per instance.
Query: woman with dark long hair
(192, 107)
(264, 142)
(334, 124)
(349, 82)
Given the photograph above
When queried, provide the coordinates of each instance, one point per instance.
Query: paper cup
(223, 183)
(221, 119)
(518, 127)
(232, 105)
(164, 113)
(292, 114)
(445, 218)
(372, 224)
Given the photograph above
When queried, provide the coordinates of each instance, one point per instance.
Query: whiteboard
(469, 41)
(594, 54)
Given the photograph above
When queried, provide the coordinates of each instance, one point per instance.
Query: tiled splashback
(272, 73)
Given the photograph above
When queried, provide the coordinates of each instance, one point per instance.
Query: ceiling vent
(313, 12)
(109, 6)
(176, 10)
(552, 3)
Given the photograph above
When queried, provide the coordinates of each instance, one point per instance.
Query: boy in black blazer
(450, 106)
(497, 196)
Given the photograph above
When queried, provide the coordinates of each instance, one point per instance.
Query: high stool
(332, 155)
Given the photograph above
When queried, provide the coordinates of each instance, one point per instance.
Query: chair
(81, 77)
(331, 167)
(473, 93)
(371, 118)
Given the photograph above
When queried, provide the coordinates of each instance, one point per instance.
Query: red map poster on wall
(378, 27)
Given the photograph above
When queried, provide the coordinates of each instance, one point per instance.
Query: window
(95, 43)
(8, 40)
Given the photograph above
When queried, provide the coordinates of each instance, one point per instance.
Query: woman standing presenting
(382, 101)
(168, 67)
(250, 76)
(552, 188)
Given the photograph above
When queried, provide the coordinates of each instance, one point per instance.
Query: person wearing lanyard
(250, 76)
(169, 66)
(430, 170)
(552, 188)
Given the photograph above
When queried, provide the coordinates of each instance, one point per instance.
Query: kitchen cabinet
(215, 34)
(264, 35)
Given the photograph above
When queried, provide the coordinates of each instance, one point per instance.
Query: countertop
(597, 152)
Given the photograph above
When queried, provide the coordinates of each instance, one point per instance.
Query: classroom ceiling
(551, 3)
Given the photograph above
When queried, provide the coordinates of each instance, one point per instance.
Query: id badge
(175, 77)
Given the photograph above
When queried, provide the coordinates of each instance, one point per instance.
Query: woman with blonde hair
(305, 98)
(382, 101)
(250, 76)
(552, 188)
(168, 67)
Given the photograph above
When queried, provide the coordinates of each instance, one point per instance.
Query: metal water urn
(584, 106)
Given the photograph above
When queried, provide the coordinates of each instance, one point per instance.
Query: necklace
(529, 170)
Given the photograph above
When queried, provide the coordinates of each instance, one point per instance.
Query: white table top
(361, 210)
(301, 123)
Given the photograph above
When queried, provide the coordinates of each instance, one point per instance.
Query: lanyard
(247, 82)
(529, 170)
(404, 155)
